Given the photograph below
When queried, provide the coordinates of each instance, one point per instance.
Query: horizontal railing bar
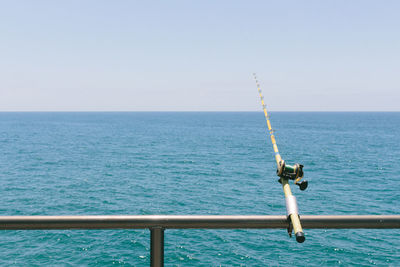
(195, 222)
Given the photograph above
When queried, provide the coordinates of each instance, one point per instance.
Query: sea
(197, 163)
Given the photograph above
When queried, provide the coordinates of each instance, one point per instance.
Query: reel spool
(294, 172)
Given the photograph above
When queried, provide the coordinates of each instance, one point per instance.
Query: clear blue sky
(199, 55)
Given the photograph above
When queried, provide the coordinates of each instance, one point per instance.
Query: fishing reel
(294, 172)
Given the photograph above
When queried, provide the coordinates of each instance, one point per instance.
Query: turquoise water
(197, 163)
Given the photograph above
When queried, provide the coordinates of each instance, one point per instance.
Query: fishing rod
(286, 172)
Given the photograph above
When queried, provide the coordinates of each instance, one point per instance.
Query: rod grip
(298, 230)
(293, 213)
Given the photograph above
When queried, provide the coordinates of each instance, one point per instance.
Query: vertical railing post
(157, 247)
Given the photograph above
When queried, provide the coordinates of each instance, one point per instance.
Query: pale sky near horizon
(199, 55)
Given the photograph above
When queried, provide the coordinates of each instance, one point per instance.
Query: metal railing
(158, 223)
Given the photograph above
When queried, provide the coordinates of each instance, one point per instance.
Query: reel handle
(302, 185)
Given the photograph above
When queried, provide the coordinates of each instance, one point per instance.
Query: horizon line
(116, 111)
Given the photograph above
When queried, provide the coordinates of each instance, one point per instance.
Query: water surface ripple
(197, 163)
